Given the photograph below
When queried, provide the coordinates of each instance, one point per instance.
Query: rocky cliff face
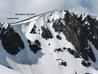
(57, 42)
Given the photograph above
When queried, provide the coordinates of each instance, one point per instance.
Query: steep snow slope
(56, 42)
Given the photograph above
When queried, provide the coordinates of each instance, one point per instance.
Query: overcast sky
(9, 7)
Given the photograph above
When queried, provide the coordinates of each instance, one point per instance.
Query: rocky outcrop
(11, 40)
(35, 47)
(78, 31)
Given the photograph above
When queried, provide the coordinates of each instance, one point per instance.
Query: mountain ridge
(41, 14)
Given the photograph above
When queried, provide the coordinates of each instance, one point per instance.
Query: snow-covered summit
(56, 42)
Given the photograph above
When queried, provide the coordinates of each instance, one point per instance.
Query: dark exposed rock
(34, 47)
(48, 21)
(67, 17)
(46, 34)
(71, 37)
(33, 30)
(76, 72)
(37, 43)
(64, 48)
(58, 50)
(58, 37)
(86, 64)
(87, 73)
(58, 26)
(68, 32)
(91, 55)
(19, 40)
(79, 19)
(59, 59)
(49, 44)
(64, 63)
(73, 52)
(52, 20)
(11, 40)
(78, 31)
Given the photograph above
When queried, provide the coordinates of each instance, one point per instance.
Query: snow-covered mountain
(56, 42)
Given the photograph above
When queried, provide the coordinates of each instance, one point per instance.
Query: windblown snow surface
(56, 42)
